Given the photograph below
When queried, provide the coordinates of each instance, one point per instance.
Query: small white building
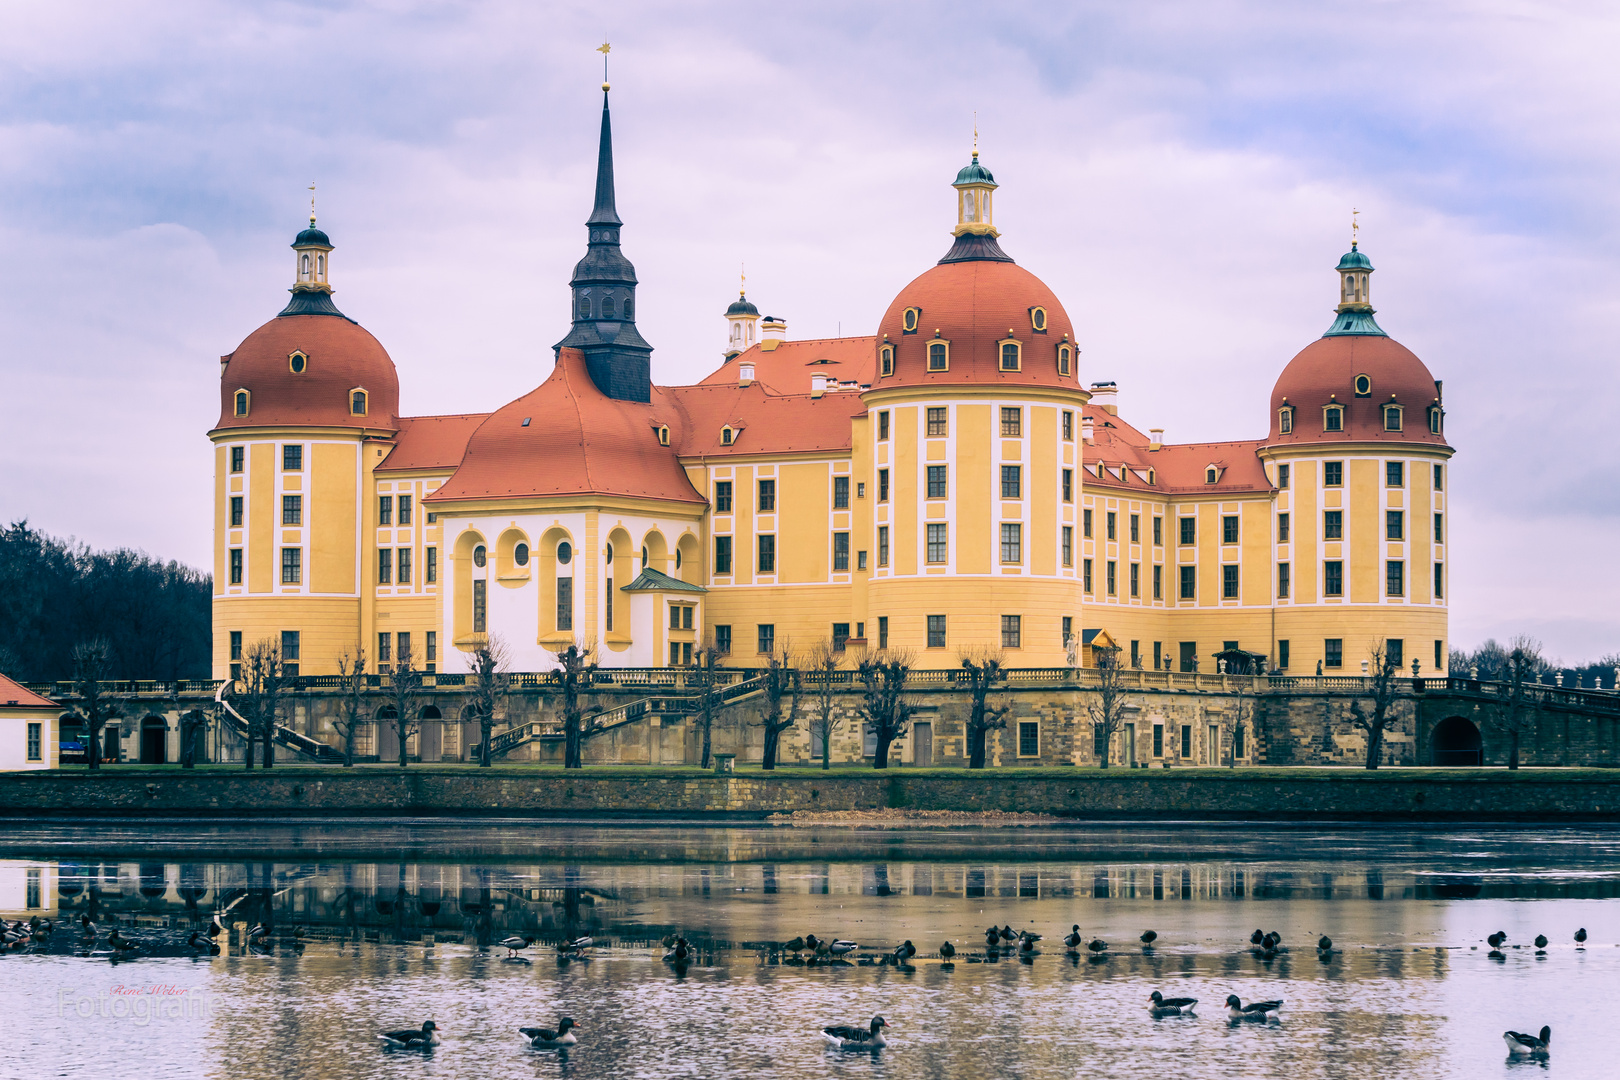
(28, 728)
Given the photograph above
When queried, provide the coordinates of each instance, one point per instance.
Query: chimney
(745, 374)
(1105, 395)
(772, 332)
(1155, 438)
(818, 385)
(1087, 431)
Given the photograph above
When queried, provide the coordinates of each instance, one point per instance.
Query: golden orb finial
(312, 204)
(604, 49)
(1355, 228)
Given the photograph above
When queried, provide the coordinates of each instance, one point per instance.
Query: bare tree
(822, 663)
(489, 682)
(261, 685)
(574, 667)
(1242, 714)
(885, 707)
(90, 662)
(703, 676)
(1514, 719)
(404, 686)
(352, 672)
(1381, 689)
(783, 682)
(984, 670)
(1108, 709)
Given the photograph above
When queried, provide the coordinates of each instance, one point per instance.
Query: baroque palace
(947, 483)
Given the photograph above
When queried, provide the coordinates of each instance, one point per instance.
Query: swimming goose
(546, 1039)
(1159, 1005)
(904, 952)
(514, 943)
(845, 1037)
(1073, 940)
(947, 951)
(1255, 1010)
(1522, 1045)
(1580, 936)
(415, 1039)
(1149, 937)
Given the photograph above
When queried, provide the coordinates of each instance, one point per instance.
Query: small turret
(743, 320)
(312, 284)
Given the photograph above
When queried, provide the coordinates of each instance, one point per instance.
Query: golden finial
(742, 290)
(604, 49)
(975, 134)
(312, 204)
(1355, 228)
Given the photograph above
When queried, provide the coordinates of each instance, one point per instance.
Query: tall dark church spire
(604, 294)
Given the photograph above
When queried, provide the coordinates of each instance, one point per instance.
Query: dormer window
(663, 435)
(1392, 418)
(908, 321)
(1011, 355)
(243, 399)
(1037, 319)
(939, 355)
(1434, 419)
(728, 435)
(357, 402)
(1152, 475)
(1065, 359)
(297, 363)
(1363, 386)
(886, 360)
(1212, 475)
(1285, 419)
(1333, 418)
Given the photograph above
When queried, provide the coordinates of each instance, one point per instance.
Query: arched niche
(689, 566)
(470, 619)
(656, 550)
(618, 561)
(557, 562)
(514, 556)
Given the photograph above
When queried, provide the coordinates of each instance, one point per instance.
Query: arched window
(1392, 418)
(677, 558)
(320, 267)
(939, 356)
(607, 307)
(908, 321)
(303, 267)
(520, 555)
(629, 309)
(565, 553)
(644, 555)
(1065, 359)
(1009, 356)
(1434, 419)
(887, 355)
(480, 556)
(357, 403)
(1211, 475)
(242, 403)
(727, 436)
(584, 306)
(663, 435)
(1285, 420)
(1333, 418)
(608, 554)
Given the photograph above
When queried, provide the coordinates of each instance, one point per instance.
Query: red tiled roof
(14, 695)
(1326, 369)
(579, 441)
(342, 356)
(765, 422)
(431, 442)
(788, 367)
(1178, 469)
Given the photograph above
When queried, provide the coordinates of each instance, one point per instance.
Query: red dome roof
(341, 356)
(1326, 371)
(973, 304)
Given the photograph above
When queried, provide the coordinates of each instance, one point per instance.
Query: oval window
(643, 554)
(297, 361)
(520, 555)
(610, 553)
(677, 558)
(629, 309)
(584, 306)
(478, 556)
(1363, 385)
(910, 321)
(565, 553)
(607, 307)
(1037, 318)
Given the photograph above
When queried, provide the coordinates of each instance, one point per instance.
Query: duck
(87, 927)
(1580, 936)
(200, 944)
(1324, 943)
(1159, 1005)
(1097, 945)
(850, 1037)
(413, 1038)
(576, 949)
(903, 952)
(1149, 937)
(842, 947)
(992, 938)
(515, 943)
(1007, 934)
(681, 953)
(43, 931)
(811, 942)
(122, 943)
(1257, 938)
(1073, 939)
(215, 927)
(794, 946)
(1522, 1045)
(1255, 1010)
(1541, 941)
(546, 1038)
(947, 951)
(1496, 939)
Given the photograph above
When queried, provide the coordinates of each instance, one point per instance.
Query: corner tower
(617, 357)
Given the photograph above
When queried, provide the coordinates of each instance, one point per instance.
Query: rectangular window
(292, 566)
(1282, 654)
(432, 645)
(1136, 579)
(236, 566)
(1238, 734)
(236, 511)
(1189, 582)
(1229, 529)
(1012, 486)
(1068, 630)
(936, 482)
(1012, 422)
(1189, 529)
(674, 616)
(937, 548)
(1068, 426)
(1085, 524)
(1136, 654)
(236, 644)
(1333, 524)
(1438, 476)
(1394, 578)
(238, 453)
(841, 551)
(765, 642)
(1395, 473)
(1439, 529)
(1012, 631)
(385, 510)
(937, 424)
(722, 639)
(292, 457)
(1229, 582)
(722, 555)
(767, 554)
(1085, 574)
(1284, 580)
(883, 631)
(289, 646)
(385, 566)
(432, 571)
(1158, 655)
(1332, 473)
(1186, 740)
(1112, 591)
(1158, 582)
(936, 631)
(1136, 528)
(1029, 738)
(404, 565)
(480, 606)
(404, 509)
(1282, 475)
(1395, 653)
(840, 493)
(1158, 531)
(292, 509)
(1068, 545)
(608, 605)
(1158, 740)
(36, 748)
(767, 496)
(1439, 581)
(1333, 578)
(1111, 522)
(1282, 528)
(883, 545)
(883, 485)
(1394, 525)
(1333, 419)
(565, 604)
(722, 496)
(883, 424)
(1439, 655)
(385, 648)
(1068, 485)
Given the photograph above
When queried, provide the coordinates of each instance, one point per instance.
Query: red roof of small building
(14, 695)
(342, 356)
(1325, 371)
(788, 366)
(431, 442)
(764, 422)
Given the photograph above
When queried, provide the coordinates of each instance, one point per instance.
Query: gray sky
(1180, 174)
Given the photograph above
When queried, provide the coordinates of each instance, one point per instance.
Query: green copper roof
(974, 173)
(1349, 323)
(650, 580)
(1354, 260)
(741, 306)
(312, 237)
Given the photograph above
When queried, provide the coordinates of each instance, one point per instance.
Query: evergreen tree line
(154, 616)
